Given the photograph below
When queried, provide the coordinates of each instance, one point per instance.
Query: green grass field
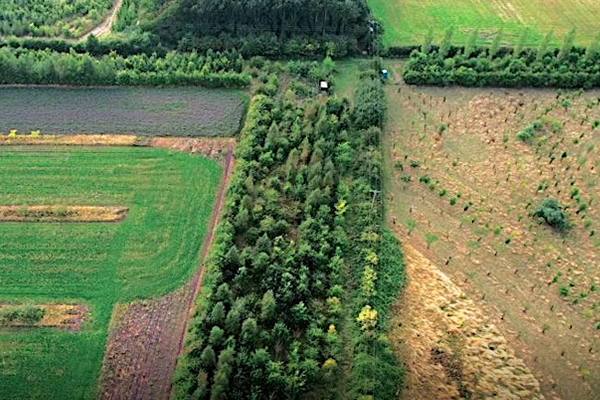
(170, 196)
(408, 21)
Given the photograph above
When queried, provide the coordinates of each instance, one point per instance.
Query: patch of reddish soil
(142, 349)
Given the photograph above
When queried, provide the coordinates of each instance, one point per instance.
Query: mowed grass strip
(407, 22)
(133, 110)
(170, 196)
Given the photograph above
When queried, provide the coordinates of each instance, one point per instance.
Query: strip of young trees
(266, 325)
(374, 253)
(23, 66)
(567, 67)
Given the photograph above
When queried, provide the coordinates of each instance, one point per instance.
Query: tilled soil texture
(144, 111)
(463, 188)
(450, 347)
(142, 349)
(48, 213)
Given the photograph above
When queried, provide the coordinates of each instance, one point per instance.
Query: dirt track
(106, 26)
(142, 349)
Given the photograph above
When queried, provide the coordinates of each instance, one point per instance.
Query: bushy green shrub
(552, 213)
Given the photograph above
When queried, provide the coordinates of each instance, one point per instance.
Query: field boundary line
(212, 227)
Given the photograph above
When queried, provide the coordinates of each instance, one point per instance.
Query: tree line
(304, 27)
(23, 66)
(374, 254)
(470, 65)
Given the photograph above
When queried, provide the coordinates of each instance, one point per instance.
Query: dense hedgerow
(22, 66)
(374, 253)
(565, 68)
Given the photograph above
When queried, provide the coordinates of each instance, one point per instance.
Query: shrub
(27, 315)
(552, 213)
(563, 291)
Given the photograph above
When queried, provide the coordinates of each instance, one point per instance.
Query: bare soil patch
(462, 190)
(54, 213)
(64, 316)
(142, 349)
(67, 140)
(147, 337)
(207, 146)
(210, 147)
(450, 348)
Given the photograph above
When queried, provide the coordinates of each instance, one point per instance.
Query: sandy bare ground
(143, 347)
(450, 348)
(53, 213)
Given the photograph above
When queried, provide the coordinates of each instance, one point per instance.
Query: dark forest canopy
(322, 23)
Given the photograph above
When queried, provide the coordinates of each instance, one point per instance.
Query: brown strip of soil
(450, 348)
(210, 147)
(47, 213)
(142, 349)
(64, 316)
(70, 140)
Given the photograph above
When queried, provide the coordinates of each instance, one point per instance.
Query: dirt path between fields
(147, 337)
(106, 26)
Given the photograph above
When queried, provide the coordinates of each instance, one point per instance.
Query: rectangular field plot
(408, 21)
(153, 251)
(472, 175)
(140, 111)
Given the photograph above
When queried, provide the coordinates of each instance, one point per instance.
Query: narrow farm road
(142, 348)
(106, 26)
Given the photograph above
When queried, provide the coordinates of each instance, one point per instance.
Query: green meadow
(153, 251)
(407, 22)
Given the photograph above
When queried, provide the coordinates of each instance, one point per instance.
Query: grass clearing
(155, 250)
(407, 22)
(538, 285)
(132, 110)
